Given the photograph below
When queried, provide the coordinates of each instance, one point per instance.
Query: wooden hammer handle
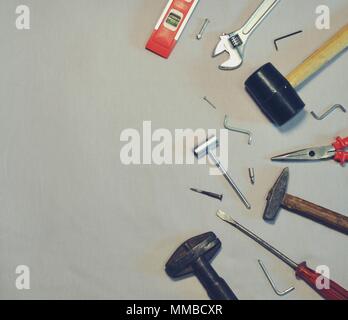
(312, 211)
(328, 51)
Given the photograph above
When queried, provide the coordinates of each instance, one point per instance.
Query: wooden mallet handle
(312, 211)
(328, 51)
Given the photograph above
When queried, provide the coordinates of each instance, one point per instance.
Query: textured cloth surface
(89, 227)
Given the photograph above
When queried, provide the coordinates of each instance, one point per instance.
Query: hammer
(278, 198)
(193, 257)
(276, 95)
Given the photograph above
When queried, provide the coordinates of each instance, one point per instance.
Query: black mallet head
(274, 94)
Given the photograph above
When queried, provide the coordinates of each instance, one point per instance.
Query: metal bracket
(229, 127)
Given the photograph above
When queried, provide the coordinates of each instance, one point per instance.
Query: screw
(205, 24)
(209, 194)
(252, 175)
(336, 106)
(210, 103)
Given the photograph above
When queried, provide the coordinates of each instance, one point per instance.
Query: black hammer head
(276, 195)
(205, 245)
(274, 94)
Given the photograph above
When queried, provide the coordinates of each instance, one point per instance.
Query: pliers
(335, 151)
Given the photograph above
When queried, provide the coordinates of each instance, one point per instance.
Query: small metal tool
(336, 150)
(279, 293)
(252, 175)
(209, 102)
(328, 112)
(206, 149)
(205, 24)
(234, 42)
(335, 291)
(229, 127)
(209, 194)
(284, 37)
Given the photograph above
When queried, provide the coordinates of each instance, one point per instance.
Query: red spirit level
(170, 26)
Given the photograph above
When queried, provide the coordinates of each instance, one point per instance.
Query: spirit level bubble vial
(170, 26)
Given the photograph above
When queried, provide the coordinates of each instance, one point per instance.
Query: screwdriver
(335, 291)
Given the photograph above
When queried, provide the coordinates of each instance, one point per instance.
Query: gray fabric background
(89, 227)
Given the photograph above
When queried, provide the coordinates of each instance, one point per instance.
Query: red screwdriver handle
(335, 291)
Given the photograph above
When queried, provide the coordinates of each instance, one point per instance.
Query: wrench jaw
(235, 53)
(220, 47)
(234, 62)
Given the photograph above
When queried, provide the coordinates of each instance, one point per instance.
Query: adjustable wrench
(234, 42)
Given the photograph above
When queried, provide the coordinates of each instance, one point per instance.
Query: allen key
(284, 37)
(328, 112)
(279, 293)
(229, 127)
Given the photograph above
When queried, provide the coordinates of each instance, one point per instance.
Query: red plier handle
(340, 145)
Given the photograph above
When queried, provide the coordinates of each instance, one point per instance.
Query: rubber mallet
(276, 95)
